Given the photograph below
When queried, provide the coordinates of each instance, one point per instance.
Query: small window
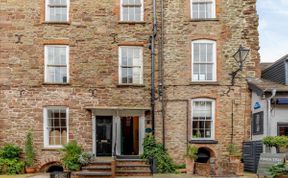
(203, 116)
(56, 64)
(132, 10)
(55, 126)
(203, 9)
(258, 124)
(130, 65)
(57, 10)
(203, 60)
(282, 129)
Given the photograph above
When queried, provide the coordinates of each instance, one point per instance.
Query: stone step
(130, 162)
(133, 167)
(100, 163)
(97, 168)
(86, 174)
(133, 173)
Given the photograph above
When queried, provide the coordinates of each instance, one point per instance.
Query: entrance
(104, 135)
(129, 135)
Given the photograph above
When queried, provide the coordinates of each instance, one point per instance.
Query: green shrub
(10, 151)
(152, 149)
(192, 152)
(10, 162)
(233, 150)
(278, 170)
(276, 141)
(11, 166)
(29, 150)
(72, 152)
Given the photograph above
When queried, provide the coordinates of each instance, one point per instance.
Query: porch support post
(116, 135)
(94, 134)
(141, 134)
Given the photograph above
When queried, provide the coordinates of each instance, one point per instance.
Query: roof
(265, 65)
(282, 59)
(262, 85)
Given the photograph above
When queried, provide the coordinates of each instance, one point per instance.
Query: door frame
(116, 126)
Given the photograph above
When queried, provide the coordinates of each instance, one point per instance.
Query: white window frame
(45, 125)
(214, 53)
(47, 15)
(213, 13)
(120, 65)
(46, 63)
(212, 120)
(142, 12)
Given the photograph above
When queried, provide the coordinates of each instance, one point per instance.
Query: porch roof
(118, 110)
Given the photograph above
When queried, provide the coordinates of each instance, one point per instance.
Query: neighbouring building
(269, 107)
(81, 70)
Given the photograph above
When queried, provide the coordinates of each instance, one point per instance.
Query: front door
(130, 135)
(104, 135)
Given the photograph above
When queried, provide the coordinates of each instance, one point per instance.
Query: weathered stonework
(94, 34)
(235, 24)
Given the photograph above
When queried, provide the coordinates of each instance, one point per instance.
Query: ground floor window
(203, 119)
(55, 126)
(282, 129)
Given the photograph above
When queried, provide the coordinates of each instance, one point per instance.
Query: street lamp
(240, 56)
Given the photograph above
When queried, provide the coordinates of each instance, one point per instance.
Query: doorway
(129, 135)
(104, 135)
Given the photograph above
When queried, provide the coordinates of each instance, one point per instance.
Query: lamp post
(240, 56)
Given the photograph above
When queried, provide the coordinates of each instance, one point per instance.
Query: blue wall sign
(257, 105)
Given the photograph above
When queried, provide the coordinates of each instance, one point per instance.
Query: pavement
(246, 175)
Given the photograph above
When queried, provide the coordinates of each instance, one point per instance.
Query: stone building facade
(93, 38)
(186, 92)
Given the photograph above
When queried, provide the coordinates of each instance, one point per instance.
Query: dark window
(282, 129)
(257, 124)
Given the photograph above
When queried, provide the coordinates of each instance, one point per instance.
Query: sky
(273, 29)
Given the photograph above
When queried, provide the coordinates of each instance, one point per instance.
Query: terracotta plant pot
(30, 170)
(189, 166)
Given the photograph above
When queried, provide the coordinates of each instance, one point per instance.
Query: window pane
(125, 1)
(203, 52)
(57, 72)
(124, 75)
(131, 13)
(137, 13)
(130, 56)
(63, 74)
(50, 74)
(208, 10)
(195, 11)
(125, 13)
(209, 52)
(196, 52)
(202, 72)
(209, 71)
(130, 75)
(202, 12)
(136, 75)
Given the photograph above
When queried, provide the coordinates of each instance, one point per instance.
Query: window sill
(51, 149)
(204, 83)
(130, 85)
(57, 23)
(205, 20)
(63, 84)
(203, 141)
(131, 22)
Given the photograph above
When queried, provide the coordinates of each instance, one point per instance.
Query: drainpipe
(160, 73)
(153, 38)
(268, 100)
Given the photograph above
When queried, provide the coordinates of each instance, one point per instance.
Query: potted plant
(191, 156)
(70, 157)
(279, 171)
(234, 153)
(279, 142)
(29, 154)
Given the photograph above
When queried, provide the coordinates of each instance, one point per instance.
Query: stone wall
(93, 34)
(235, 24)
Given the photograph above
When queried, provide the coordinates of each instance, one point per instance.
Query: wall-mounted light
(240, 57)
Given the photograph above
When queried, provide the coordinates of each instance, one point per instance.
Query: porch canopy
(118, 111)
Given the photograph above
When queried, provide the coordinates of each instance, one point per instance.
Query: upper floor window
(56, 64)
(130, 65)
(132, 10)
(203, 9)
(203, 116)
(57, 10)
(55, 126)
(203, 60)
